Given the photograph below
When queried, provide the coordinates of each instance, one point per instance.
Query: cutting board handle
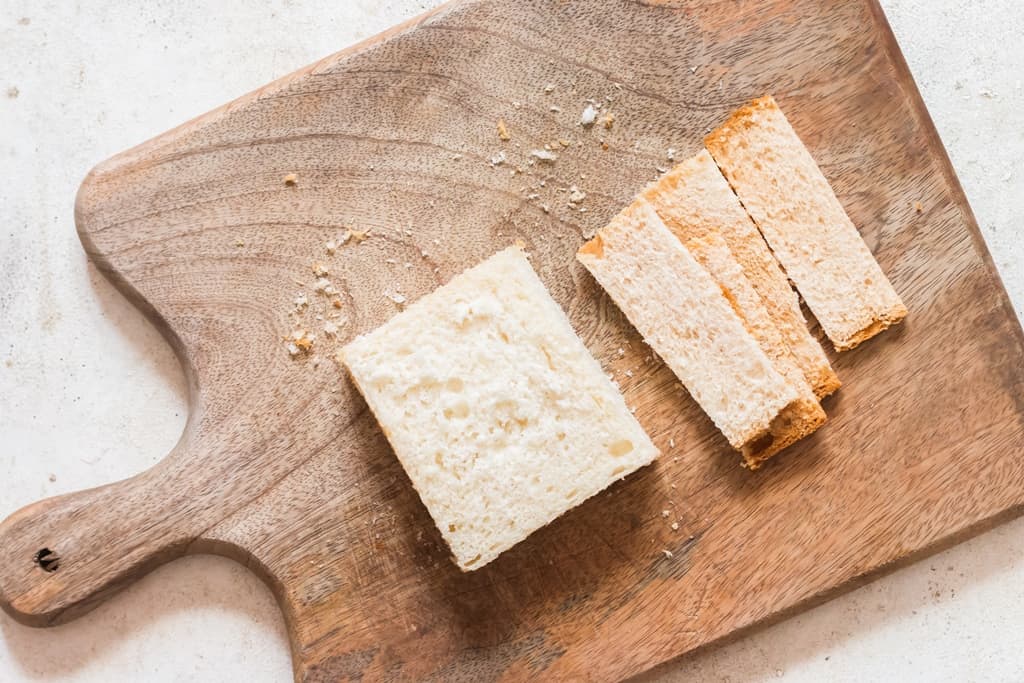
(61, 556)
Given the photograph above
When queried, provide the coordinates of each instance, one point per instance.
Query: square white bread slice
(712, 253)
(799, 215)
(682, 314)
(498, 413)
(694, 200)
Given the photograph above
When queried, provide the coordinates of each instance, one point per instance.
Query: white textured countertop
(90, 393)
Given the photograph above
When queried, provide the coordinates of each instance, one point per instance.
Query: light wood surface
(282, 467)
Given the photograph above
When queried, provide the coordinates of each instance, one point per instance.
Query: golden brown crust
(595, 248)
(826, 383)
(891, 317)
(738, 120)
(800, 418)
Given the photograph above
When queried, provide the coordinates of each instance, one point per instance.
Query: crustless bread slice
(695, 201)
(498, 413)
(807, 228)
(681, 312)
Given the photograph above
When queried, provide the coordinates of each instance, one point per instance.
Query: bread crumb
(358, 235)
(549, 87)
(330, 246)
(301, 301)
(608, 120)
(395, 297)
(604, 146)
(53, 477)
(291, 180)
(544, 155)
(576, 195)
(671, 443)
(320, 270)
(336, 303)
(554, 109)
(919, 207)
(324, 286)
(503, 130)
(456, 157)
(670, 154)
(629, 373)
(664, 513)
(301, 342)
(498, 159)
(668, 554)
(239, 243)
(675, 526)
(588, 116)
(545, 208)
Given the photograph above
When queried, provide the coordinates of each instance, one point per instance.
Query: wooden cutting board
(282, 467)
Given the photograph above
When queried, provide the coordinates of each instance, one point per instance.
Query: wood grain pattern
(282, 467)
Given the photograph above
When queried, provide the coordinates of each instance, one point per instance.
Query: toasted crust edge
(884, 321)
(826, 382)
(739, 119)
(798, 419)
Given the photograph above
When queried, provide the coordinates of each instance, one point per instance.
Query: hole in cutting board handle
(48, 560)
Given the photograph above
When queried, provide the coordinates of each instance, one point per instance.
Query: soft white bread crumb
(695, 201)
(498, 413)
(799, 215)
(681, 312)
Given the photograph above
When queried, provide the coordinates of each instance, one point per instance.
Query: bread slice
(695, 201)
(804, 416)
(799, 215)
(681, 311)
(498, 413)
